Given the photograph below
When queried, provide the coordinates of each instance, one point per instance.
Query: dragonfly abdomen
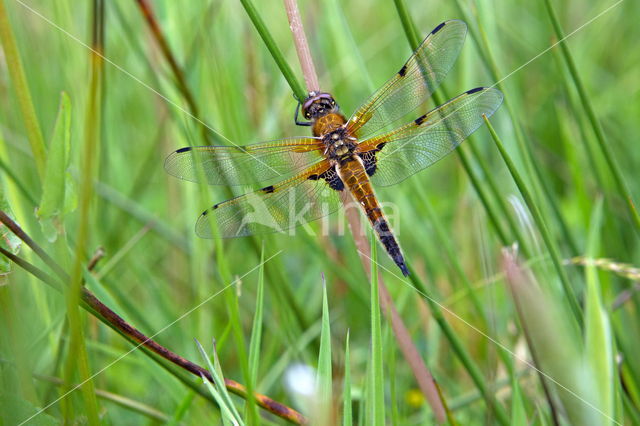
(355, 177)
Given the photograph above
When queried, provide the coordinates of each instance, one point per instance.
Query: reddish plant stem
(302, 47)
(105, 314)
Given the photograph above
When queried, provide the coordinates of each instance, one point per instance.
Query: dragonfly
(302, 179)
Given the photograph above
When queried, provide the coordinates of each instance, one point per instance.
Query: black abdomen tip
(404, 269)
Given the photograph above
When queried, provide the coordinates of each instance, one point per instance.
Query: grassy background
(156, 269)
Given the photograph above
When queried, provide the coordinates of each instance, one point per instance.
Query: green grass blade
(407, 23)
(347, 412)
(593, 119)
(324, 383)
(255, 344)
(275, 52)
(598, 340)
(231, 298)
(218, 389)
(632, 411)
(376, 403)
(518, 412)
(391, 366)
(181, 409)
(19, 80)
(77, 360)
(56, 200)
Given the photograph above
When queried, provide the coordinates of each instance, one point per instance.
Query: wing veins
(422, 142)
(245, 165)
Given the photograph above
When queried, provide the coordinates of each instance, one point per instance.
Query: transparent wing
(414, 83)
(274, 208)
(244, 165)
(402, 152)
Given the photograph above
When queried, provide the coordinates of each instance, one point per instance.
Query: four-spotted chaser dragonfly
(306, 176)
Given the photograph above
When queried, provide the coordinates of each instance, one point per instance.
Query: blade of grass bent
(219, 391)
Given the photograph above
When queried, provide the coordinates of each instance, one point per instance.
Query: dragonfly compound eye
(318, 105)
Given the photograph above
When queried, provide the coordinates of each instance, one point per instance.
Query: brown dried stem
(302, 47)
(92, 304)
(425, 379)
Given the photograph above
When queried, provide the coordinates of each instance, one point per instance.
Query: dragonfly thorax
(339, 144)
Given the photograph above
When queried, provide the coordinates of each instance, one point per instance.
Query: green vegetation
(522, 305)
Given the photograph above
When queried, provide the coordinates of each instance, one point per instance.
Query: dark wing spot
(438, 28)
(206, 212)
(336, 183)
(268, 189)
(313, 177)
(403, 70)
(369, 161)
(421, 119)
(188, 148)
(477, 89)
(332, 178)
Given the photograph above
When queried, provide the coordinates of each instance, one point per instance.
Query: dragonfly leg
(298, 122)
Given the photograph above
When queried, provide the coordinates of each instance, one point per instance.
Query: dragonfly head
(318, 104)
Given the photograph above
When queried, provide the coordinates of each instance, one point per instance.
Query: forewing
(415, 81)
(417, 145)
(244, 165)
(274, 208)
